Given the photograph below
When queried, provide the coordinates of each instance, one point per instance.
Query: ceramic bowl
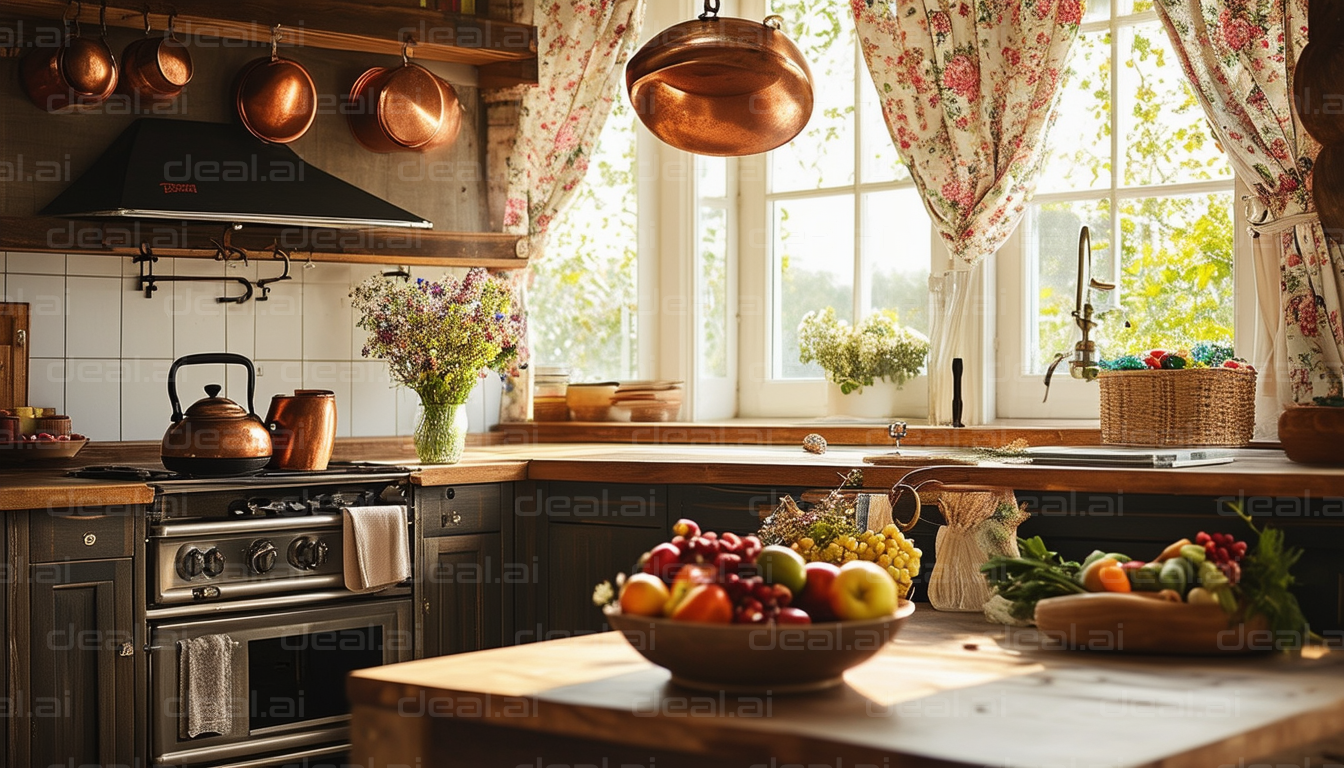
(737, 658)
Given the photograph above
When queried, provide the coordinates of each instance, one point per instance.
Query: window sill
(792, 431)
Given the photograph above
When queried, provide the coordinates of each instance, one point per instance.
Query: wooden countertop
(1256, 472)
(950, 690)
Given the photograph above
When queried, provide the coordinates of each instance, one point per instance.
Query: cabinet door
(578, 558)
(463, 594)
(82, 649)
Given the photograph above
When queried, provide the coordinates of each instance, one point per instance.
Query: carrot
(1113, 579)
(1172, 551)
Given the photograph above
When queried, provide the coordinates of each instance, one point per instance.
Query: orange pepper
(1113, 579)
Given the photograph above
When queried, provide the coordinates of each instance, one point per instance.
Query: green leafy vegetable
(1266, 585)
(1036, 574)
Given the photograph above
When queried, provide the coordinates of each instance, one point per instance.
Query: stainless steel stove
(259, 561)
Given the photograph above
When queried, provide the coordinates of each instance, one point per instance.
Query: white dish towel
(205, 685)
(377, 549)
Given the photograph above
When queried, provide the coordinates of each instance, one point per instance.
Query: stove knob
(214, 562)
(191, 565)
(261, 556)
(308, 554)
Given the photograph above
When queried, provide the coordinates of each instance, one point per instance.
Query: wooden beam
(186, 239)
(332, 24)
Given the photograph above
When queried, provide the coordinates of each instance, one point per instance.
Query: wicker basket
(1200, 406)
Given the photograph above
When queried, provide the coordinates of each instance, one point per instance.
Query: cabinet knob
(426, 606)
(90, 539)
(126, 650)
(450, 518)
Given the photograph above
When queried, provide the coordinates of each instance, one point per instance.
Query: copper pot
(1316, 85)
(303, 429)
(215, 437)
(406, 108)
(79, 73)
(721, 86)
(276, 98)
(156, 67)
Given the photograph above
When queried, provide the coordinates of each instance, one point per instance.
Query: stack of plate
(649, 400)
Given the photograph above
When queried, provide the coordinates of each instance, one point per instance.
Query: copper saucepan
(81, 72)
(721, 86)
(156, 67)
(275, 97)
(406, 108)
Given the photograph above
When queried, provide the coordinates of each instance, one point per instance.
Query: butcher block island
(950, 690)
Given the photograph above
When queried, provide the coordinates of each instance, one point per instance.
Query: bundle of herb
(1266, 585)
(1036, 574)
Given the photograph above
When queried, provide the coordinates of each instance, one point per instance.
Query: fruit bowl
(13, 451)
(740, 658)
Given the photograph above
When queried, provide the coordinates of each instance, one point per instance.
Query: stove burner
(155, 475)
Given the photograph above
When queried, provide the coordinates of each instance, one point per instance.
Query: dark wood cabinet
(463, 581)
(466, 572)
(580, 557)
(82, 655)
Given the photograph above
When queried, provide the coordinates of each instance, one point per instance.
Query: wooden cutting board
(13, 355)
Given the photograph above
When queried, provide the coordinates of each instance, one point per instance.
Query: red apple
(705, 603)
(815, 598)
(688, 578)
(863, 590)
(643, 595)
(661, 559)
(791, 615)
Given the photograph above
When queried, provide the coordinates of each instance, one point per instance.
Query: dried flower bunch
(440, 337)
(856, 356)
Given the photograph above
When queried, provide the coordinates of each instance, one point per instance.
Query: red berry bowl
(748, 659)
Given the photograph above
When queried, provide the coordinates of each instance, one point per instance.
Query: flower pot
(1312, 434)
(441, 433)
(883, 400)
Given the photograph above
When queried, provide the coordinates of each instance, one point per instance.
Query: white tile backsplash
(93, 397)
(93, 318)
(101, 351)
(45, 296)
(35, 263)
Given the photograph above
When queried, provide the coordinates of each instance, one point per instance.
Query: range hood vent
(188, 170)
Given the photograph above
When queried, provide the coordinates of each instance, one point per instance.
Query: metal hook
(265, 283)
(102, 16)
(406, 45)
(79, 10)
(711, 10)
(171, 33)
(223, 246)
(275, 41)
(897, 492)
(309, 264)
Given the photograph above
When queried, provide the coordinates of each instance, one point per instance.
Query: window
(583, 297)
(845, 227)
(1131, 157)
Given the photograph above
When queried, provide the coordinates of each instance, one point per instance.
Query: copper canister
(303, 429)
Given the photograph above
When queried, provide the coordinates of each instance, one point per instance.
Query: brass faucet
(1084, 364)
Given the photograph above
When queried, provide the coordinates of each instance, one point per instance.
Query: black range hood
(189, 170)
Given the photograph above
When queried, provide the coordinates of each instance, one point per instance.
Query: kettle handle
(210, 358)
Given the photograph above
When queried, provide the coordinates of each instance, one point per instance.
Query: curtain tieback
(1268, 226)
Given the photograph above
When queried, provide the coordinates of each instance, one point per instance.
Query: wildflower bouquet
(440, 337)
(855, 357)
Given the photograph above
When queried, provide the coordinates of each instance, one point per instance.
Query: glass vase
(441, 433)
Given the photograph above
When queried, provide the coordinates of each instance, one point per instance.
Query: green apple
(781, 565)
(863, 590)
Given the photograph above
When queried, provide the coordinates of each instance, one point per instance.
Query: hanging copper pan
(1316, 87)
(406, 108)
(275, 97)
(79, 73)
(721, 86)
(156, 67)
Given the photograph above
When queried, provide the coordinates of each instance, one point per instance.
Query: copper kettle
(303, 429)
(216, 437)
(722, 87)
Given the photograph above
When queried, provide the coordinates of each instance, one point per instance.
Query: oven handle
(197, 610)
(292, 756)
(217, 527)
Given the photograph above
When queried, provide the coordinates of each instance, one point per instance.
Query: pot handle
(211, 358)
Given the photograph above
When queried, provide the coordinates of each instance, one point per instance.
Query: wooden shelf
(187, 239)
(506, 53)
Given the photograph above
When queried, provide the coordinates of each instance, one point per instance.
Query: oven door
(286, 682)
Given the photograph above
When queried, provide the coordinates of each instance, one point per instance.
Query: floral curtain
(1239, 56)
(582, 49)
(968, 89)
